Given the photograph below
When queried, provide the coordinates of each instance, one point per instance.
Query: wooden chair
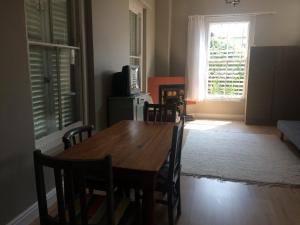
(76, 135)
(160, 113)
(78, 207)
(168, 182)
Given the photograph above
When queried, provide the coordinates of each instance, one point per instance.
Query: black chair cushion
(162, 178)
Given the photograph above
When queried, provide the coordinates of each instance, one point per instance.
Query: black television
(126, 82)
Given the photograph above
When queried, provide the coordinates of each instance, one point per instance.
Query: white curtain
(196, 59)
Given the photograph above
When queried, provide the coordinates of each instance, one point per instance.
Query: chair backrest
(76, 135)
(159, 113)
(175, 155)
(70, 185)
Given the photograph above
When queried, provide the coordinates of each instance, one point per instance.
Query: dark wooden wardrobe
(273, 85)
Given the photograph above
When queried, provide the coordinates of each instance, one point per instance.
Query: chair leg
(137, 195)
(91, 190)
(281, 136)
(170, 208)
(179, 199)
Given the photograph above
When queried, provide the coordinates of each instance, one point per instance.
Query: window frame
(138, 8)
(251, 34)
(53, 139)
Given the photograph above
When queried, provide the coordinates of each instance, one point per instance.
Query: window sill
(221, 99)
(53, 141)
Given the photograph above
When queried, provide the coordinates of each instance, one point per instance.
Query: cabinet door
(260, 85)
(140, 101)
(120, 109)
(286, 98)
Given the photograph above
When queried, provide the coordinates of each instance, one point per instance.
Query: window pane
(134, 61)
(53, 69)
(41, 101)
(55, 87)
(59, 15)
(66, 87)
(228, 51)
(34, 16)
(135, 33)
(64, 98)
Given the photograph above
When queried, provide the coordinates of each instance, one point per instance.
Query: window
(136, 38)
(227, 59)
(217, 56)
(54, 61)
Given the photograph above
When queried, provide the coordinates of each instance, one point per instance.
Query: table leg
(148, 206)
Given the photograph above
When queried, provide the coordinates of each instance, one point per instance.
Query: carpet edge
(243, 181)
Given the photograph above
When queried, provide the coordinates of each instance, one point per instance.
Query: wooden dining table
(138, 151)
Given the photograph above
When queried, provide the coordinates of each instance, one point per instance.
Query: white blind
(135, 38)
(38, 89)
(53, 97)
(35, 13)
(60, 21)
(227, 59)
(64, 96)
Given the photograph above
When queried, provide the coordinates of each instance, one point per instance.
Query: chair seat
(96, 209)
(93, 181)
(162, 183)
(162, 178)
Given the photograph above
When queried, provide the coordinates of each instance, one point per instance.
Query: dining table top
(133, 145)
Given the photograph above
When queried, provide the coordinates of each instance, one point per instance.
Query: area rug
(235, 155)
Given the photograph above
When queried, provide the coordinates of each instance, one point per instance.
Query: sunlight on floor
(218, 189)
(206, 124)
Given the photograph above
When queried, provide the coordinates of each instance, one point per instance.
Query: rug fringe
(247, 182)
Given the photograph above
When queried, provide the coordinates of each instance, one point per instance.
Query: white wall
(276, 30)
(280, 29)
(111, 41)
(163, 34)
(17, 186)
(111, 47)
(150, 39)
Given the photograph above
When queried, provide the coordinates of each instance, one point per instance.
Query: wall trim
(239, 117)
(30, 214)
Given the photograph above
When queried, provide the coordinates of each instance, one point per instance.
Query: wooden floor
(213, 202)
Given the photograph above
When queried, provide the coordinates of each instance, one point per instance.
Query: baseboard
(30, 214)
(239, 117)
